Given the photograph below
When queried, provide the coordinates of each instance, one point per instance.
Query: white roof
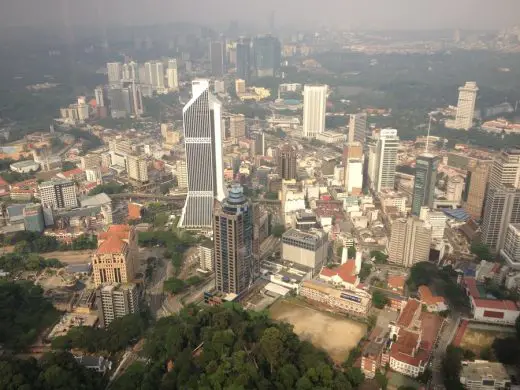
(277, 289)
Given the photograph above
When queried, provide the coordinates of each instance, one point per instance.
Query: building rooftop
(95, 200)
(345, 271)
(482, 369)
(24, 164)
(406, 317)
(54, 182)
(113, 244)
(311, 235)
(427, 296)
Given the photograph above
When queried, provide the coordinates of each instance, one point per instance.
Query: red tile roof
(427, 297)
(407, 342)
(345, 271)
(120, 231)
(471, 286)
(396, 282)
(430, 326)
(496, 304)
(406, 317)
(112, 245)
(72, 172)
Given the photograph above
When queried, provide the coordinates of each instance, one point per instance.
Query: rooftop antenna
(428, 135)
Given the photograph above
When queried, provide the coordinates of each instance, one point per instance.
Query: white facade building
(466, 106)
(314, 108)
(511, 251)
(385, 156)
(58, 194)
(137, 168)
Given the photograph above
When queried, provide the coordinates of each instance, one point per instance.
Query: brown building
(477, 179)
(287, 162)
(115, 260)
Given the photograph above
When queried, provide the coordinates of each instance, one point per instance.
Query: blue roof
(458, 214)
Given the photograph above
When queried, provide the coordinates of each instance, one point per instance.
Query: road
(448, 332)
(154, 295)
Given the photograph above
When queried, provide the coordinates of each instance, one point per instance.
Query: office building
(115, 73)
(466, 106)
(309, 248)
(244, 59)
(115, 260)
(116, 301)
(506, 169)
(484, 375)
(236, 266)
(426, 166)
(237, 125)
(267, 53)
(258, 147)
(137, 168)
(33, 218)
(287, 162)
(314, 109)
(353, 161)
(501, 208)
(409, 241)
(476, 186)
(383, 160)
(202, 141)
(58, 194)
(511, 251)
(357, 128)
(454, 189)
(217, 55)
(436, 219)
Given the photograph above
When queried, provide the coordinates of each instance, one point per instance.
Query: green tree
(381, 380)
(174, 285)
(271, 345)
(352, 252)
(379, 257)
(278, 230)
(379, 299)
(355, 376)
(451, 366)
(481, 251)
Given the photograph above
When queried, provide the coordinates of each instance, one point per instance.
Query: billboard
(350, 297)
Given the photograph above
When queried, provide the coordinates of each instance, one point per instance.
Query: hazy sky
(383, 14)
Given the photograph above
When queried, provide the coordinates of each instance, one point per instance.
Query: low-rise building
(484, 375)
(27, 166)
(352, 301)
(308, 248)
(433, 303)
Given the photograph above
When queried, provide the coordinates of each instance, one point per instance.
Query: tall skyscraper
(511, 251)
(172, 75)
(115, 72)
(314, 109)
(258, 148)
(236, 266)
(217, 52)
(202, 140)
(287, 162)
(357, 128)
(506, 169)
(154, 72)
(409, 241)
(244, 59)
(466, 106)
(100, 95)
(384, 160)
(130, 71)
(267, 53)
(476, 185)
(426, 166)
(353, 167)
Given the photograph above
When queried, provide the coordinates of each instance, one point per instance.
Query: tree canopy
(379, 299)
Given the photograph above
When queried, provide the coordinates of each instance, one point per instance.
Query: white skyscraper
(202, 140)
(466, 106)
(357, 128)
(314, 108)
(99, 92)
(385, 160)
(115, 72)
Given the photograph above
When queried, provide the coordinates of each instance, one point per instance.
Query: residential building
(202, 141)
(409, 241)
(217, 54)
(267, 53)
(172, 76)
(309, 248)
(353, 161)
(181, 173)
(484, 375)
(236, 266)
(314, 109)
(90, 161)
(240, 86)
(206, 252)
(357, 128)
(384, 156)
(237, 125)
(258, 147)
(115, 260)
(100, 95)
(391, 199)
(351, 301)
(115, 72)
(116, 301)
(426, 166)
(437, 220)
(287, 162)
(58, 194)
(154, 71)
(466, 106)
(511, 251)
(137, 168)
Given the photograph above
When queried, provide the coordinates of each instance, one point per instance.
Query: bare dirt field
(477, 339)
(70, 257)
(335, 335)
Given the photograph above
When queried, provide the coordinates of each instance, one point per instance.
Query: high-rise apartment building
(243, 51)
(115, 260)
(287, 168)
(426, 166)
(502, 207)
(267, 52)
(258, 147)
(115, 73)
(357, 128)
(409, 241)
(383, 160)
(130, 71)
(181, 173)
(58, 194)
(116, 301)
(237, 125)
(100, 95)
(314, 109)
(172, 75)
(236, 266)
(217, 53)
(353, 167)
(202, 140)
(511, 251)
(137, 168)
(126, 101)
(154, 71)
(466, 106)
